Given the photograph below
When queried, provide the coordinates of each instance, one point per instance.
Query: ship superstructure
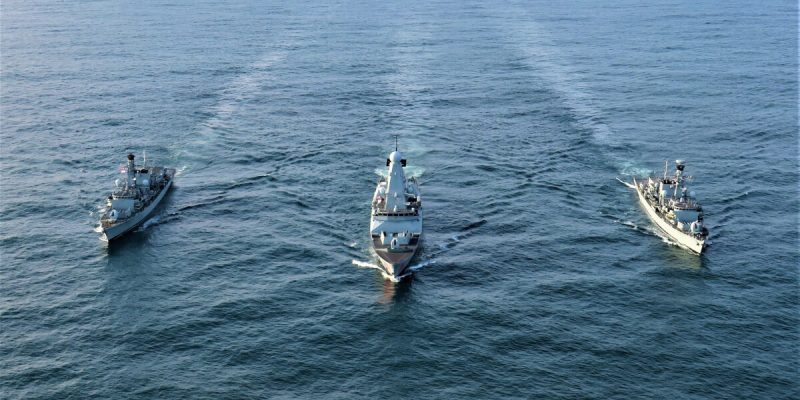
(671, 206)
(137, 193)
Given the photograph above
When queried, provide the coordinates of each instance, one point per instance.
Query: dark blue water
(540, 276)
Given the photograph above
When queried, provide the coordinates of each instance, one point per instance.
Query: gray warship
(673, 208)
(396, 221)
(137, 194)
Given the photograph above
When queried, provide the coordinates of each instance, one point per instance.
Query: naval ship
(396, 220)
(135, 197)
(674, 210)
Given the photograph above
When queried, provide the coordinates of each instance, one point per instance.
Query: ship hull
(687, 241)
(396, 263)
(117, 231)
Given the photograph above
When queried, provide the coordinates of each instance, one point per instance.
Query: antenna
(395, 142)
(144, 158)
(666, 168)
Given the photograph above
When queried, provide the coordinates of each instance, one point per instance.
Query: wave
(735, 198)
(648, 231)
(474, 225)
(150, 222)
(364, 264)
(250, 181)
(212, 201)
(628, 184)
(387, 276)
(421, 265)
(411, 269)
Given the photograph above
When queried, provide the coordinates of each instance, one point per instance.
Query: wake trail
(540, 52)
(648, 231)
(196, 151)
(557, 69)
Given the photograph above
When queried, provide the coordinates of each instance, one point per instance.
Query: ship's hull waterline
(682, 239)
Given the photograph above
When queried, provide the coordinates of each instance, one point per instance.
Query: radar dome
(395, 157)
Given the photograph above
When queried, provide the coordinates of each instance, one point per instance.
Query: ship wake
(628, 184)
(411, 269)
(649, 231)
(386, 275)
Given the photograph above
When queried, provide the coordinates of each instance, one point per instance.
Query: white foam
(668, 241)
(364, 264)
(421, 265)
(657, 233)
(386, 275)
(383, 172)
(447, 244)
(628, 184)
(628, 223)
(413, 171)
(150, 222)
(649, 231)
(629, 169)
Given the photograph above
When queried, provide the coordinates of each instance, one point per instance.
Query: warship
(137, 194)
(673, 208)
(396, 221)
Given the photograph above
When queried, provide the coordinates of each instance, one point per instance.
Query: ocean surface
(540, 276)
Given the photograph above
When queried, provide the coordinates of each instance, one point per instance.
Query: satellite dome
(395, 157)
